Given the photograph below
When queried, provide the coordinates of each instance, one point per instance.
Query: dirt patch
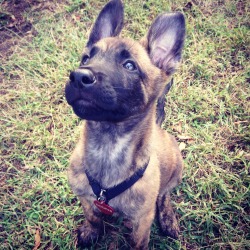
(15, 24)
(12, 20)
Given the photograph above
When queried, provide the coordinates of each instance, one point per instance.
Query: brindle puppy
(115, 90)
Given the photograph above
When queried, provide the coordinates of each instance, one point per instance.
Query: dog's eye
(129, 65)
(85, 59)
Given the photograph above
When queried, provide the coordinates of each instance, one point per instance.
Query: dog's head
(119, 77)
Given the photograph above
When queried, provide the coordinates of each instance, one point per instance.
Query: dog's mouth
(100, 97)
(84, 101)
(90, 111)
(98, 105)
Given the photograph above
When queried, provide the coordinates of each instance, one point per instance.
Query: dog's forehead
(117, 45)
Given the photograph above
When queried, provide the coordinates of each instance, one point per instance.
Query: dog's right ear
(165, 40)
(109, 22)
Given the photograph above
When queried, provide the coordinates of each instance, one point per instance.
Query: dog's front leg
(141, 230)
(92, 227)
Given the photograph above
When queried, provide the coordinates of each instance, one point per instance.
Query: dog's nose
(82, 78)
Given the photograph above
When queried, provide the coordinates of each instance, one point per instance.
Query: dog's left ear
(108, 23)
(165, 40)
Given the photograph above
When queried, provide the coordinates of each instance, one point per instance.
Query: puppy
(124, 163)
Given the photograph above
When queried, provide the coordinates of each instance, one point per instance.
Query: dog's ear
(108, 23)
(165, 40)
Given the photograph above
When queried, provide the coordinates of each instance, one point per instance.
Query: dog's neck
(110, 148)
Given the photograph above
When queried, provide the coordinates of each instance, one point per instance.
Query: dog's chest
(107, 159)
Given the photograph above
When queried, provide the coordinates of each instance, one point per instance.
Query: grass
(207, 110)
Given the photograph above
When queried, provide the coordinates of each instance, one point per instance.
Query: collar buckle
(102, 196)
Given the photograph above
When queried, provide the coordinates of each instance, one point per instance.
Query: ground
(207, 110)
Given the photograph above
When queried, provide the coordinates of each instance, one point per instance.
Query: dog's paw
(169, 226)
(87, 236)
(172, 232)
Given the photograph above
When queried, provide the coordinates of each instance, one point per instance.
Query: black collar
(106, 194)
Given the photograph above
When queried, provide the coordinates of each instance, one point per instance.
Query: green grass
(208, 106)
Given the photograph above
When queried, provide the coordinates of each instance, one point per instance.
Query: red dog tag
(103, 207)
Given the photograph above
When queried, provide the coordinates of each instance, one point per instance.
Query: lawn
(207, 110)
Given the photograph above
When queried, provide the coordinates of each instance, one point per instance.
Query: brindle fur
(120, 133)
